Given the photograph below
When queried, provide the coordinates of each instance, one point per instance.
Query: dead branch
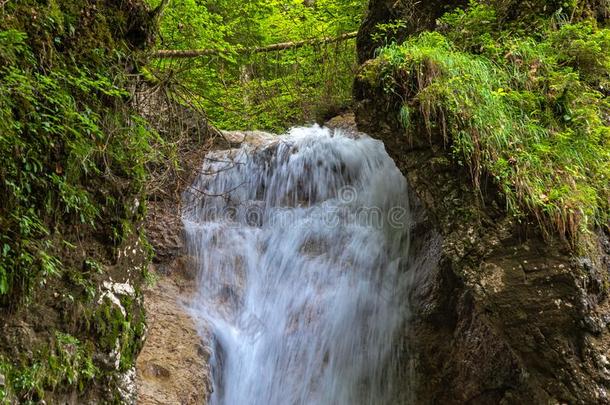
(193, 53)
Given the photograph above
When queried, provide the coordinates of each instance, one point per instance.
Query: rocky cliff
(73, 257)
(501, 314)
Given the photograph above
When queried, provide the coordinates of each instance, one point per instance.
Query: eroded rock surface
(172, 367)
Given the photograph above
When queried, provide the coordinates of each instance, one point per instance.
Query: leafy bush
(67, 362)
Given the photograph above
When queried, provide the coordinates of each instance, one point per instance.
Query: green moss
(67, 362)
(529, 111)
(119, 331)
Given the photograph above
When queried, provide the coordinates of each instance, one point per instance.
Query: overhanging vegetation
(528, 108)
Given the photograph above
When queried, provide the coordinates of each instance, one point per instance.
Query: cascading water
(302, 248)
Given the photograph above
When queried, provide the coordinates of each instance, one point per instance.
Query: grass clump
(528, 110)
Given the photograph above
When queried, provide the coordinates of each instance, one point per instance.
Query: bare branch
(193, 53)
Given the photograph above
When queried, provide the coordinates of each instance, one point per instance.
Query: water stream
(302, 244)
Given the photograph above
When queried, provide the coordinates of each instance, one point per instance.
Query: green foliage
(68, 362)
(583, 47)
(75, 160)
(249, 90)
(388, 32)
(530, 111)
(72, 152)
(475, 29)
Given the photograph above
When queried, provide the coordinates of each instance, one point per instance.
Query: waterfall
(302, 245)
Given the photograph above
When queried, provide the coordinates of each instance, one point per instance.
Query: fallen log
(193, 53)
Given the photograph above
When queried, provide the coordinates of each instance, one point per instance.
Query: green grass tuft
(529, 111)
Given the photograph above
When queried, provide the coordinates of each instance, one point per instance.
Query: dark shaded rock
(419, 15)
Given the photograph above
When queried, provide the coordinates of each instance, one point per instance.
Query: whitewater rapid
(302, 246)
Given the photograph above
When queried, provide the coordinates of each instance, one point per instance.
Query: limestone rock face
(172, 367)
(173, 364)
(500, 314)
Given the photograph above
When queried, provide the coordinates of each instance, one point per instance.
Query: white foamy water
(302, 248)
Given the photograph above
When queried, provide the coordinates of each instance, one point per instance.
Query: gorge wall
(505, 315)
(73, 258)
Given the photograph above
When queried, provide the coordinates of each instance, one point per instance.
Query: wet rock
(164, 231)
(253, 138)
(173, 365)
(172, 339)
(153, 370)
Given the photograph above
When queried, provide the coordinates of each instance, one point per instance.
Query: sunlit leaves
(261, 91)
